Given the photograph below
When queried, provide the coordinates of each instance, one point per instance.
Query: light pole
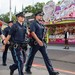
(10, 11)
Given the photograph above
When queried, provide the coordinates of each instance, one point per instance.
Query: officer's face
(10, 24)
(39, 17)
(21, 19)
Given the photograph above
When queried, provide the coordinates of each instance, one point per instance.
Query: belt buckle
(16, 45)
(35, 43)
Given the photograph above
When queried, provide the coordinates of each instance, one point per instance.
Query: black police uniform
(4, 56)
(17, 33)
(38, 29)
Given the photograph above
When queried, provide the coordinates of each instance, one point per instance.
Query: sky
(4, 4)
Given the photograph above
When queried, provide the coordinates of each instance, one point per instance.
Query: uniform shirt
(6, 31)
(17, 33)
(0, 31)
(37, 28)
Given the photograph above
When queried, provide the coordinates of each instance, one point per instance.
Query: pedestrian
(17, 34)
(66, 36)
(5, 32)
(37, 32)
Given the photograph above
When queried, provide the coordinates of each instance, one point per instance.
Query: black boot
(64, 47)
(67, 48)
(28, 71)
(11, 71)
(4, 64)
(54, 73)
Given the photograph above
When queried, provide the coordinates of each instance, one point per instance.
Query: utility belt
(19, 45)
(34, 42)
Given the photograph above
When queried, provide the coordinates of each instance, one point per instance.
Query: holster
(24, 46)
(11, 46)
(18, 45)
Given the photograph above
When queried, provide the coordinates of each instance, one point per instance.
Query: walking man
(37, 32)
(5, 32)
(17, 34)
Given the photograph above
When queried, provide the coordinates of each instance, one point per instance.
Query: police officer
(5, 32)
(17, 34)
(37, 29)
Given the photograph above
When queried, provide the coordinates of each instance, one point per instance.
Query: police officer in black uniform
(5, 32)
(17, 34)
(37, 29)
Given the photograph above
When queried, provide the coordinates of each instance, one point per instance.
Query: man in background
(66, 33)
(5, 32)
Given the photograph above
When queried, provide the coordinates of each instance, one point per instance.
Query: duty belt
(35, 42)
(21, 45)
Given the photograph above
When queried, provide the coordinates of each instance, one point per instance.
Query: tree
(38, 7)
(5, 17)
(14, 18)
(33, 9)
(28, 9)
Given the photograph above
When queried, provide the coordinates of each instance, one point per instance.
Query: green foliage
(33, 9)
(28, 9)
(14, 18)
(5, 17)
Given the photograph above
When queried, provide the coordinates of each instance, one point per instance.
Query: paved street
(62, 60)
(36, 69)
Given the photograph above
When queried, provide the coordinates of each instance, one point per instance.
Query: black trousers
(4, 56)
(33, 51)
(19, 60)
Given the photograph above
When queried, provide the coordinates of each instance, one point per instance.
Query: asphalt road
(62, 61)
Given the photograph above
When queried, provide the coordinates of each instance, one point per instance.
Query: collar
(19, 24)
(37, 21)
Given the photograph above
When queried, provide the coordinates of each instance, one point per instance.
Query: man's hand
(40, 43)
(37, 39)
(4, 42)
